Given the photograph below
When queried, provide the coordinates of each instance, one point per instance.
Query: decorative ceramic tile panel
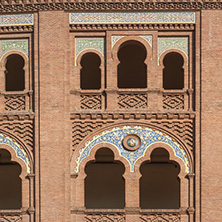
(21, 45)
(116, 38)
(148, 38)
(166, 43)
(20, 19)
(20, 153)
(131, 17)
(84, 43)
(147, 136)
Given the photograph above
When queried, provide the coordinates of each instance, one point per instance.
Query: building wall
(211, 156)
(54, 129)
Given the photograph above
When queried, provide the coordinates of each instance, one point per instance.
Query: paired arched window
(159, 184)
(132, 70)
(90, 73)
(14, 73)
(173, 72)
(104, 184)
(10, 182)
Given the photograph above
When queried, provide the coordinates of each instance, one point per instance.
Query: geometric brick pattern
(14, 103)
(129, 101)
(21, 129)
(104, 218)
(10, 217)
(80, 129)
(89, 101)
(173, 101)
(163, 217)
(184, 129)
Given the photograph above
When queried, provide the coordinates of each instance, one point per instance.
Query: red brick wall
(211, 115)
(54, 115)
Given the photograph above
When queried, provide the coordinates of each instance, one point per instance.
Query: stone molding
(129, 115)
(25, 6)
(142, 27)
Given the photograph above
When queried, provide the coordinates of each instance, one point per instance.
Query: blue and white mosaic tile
(20, 153)
(131, 17)
(84, 43)
(166, 43)
(21, 45)
(147, 136)
(19, 19)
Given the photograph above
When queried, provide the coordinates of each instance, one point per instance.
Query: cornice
(16, 116)
(9, 6)
(16, 29)
(130, 116)
(113, 27)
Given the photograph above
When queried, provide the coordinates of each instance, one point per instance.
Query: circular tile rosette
(132, 142)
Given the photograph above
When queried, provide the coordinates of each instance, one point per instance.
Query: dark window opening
(104, 184)
(90, 74)
(173, 72)
(132, 71)
(14, 73)
(10, 183)
(159, 184)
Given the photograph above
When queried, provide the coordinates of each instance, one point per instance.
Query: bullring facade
(108, 111)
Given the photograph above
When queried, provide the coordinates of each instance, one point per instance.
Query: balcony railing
(16, 101)
(11, 215)
(133, 99)
(124, 215)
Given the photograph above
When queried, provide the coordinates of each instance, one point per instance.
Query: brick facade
(56, 127)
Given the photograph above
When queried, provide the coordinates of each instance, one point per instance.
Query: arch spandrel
(148, 138)
(19, 151)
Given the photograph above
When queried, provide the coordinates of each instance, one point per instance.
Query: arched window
(104, 184)
(132, 71)
(159, 184)
(14, 73)
(10, 183)
(90, 74)
(173, 72)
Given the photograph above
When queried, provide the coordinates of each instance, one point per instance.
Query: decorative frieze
(131, 17)
(16, 20)
(40, 5)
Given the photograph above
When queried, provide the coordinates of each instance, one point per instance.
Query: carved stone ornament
(132, 142)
